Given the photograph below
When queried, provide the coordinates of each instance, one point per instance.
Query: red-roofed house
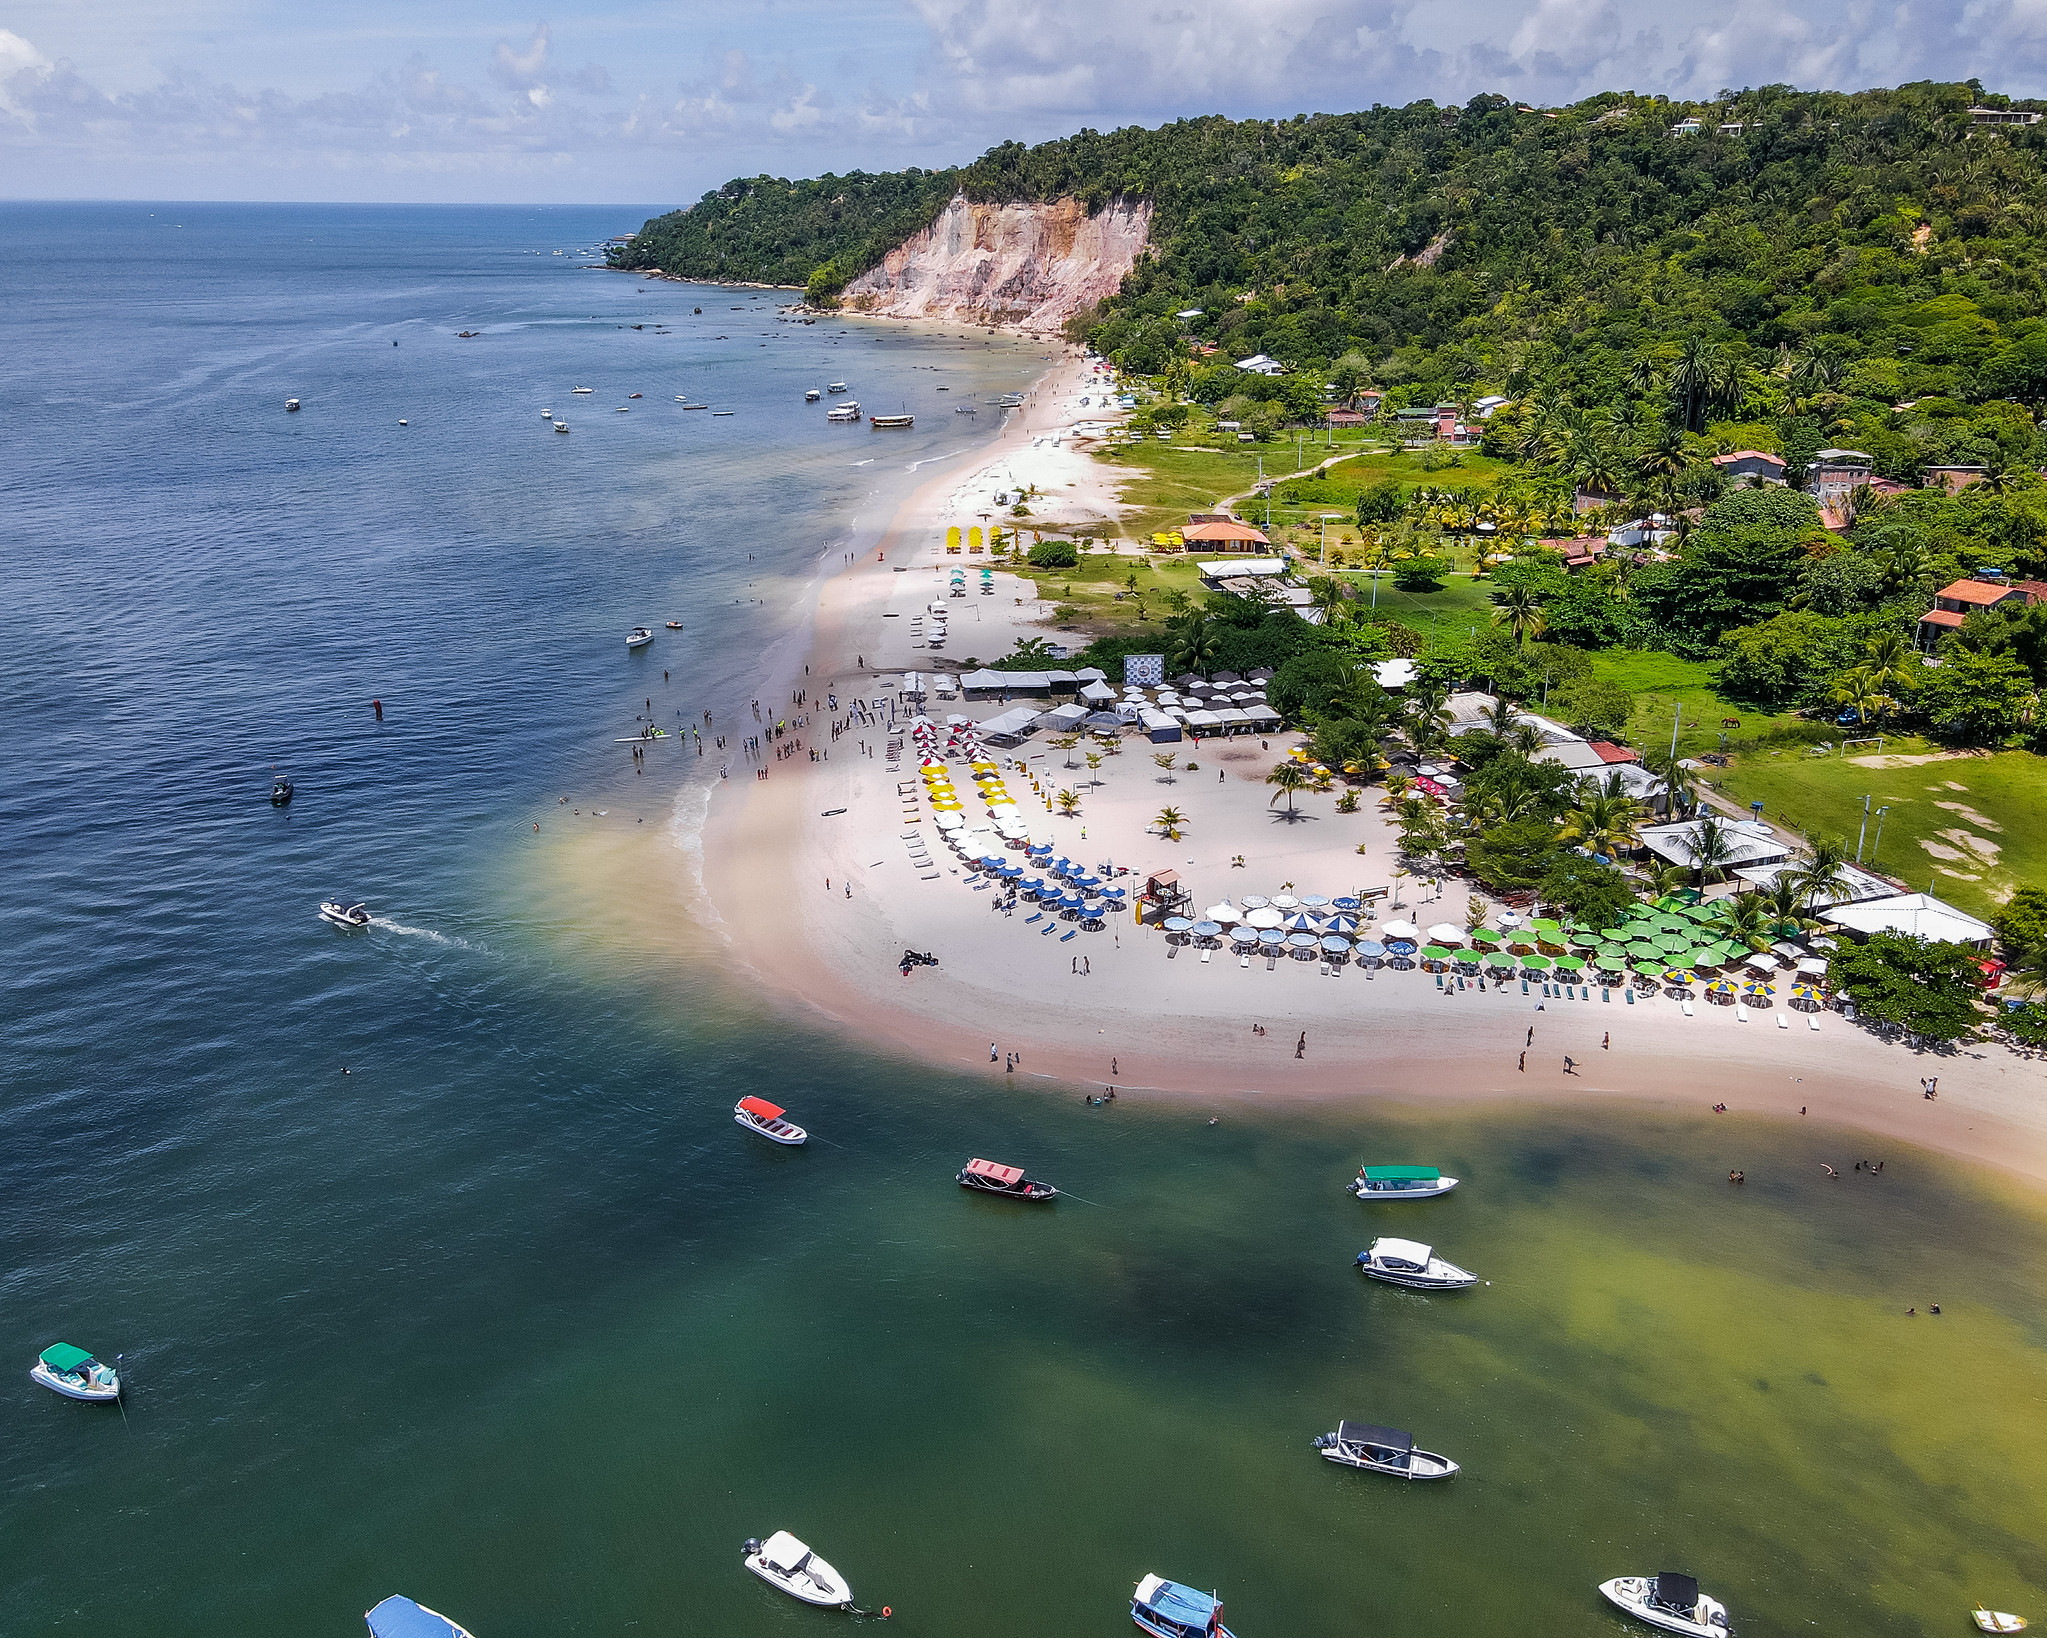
(1582, 551)
(1954, 604)
(1750, 463)
(1220, 533)
(1610, 753)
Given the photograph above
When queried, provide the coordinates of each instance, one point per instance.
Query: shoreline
(1160, 1026)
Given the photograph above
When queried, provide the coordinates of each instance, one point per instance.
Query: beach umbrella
(1616, 935)
(1343, 924)
(1650, 971)
(1484, 937)
(1535, 963)
(1804, 992)
(1253, 901)
(950, 821)
(1114, 893)
(1034, 884)
(1208, 929)
(1243, 937)
(1544, 924)
(1400, 946)
(1610, 963)
(1400, 929)
(1672, 943)
(1756, 986)
(1446, 933)
(1300, 921)
(1815, 965)
(1348, 906)
(1335, 945)
(1271, 935)
(1087, 881)
(1303, 941)
(1435, 952)
(1720, 986)
(1265, 919)
(1702, 958)
(1173, 924)
(1570, 964)
(1682, 978)
(1225, 912)
(1285, 901)
(1371, 947)
(1500, 961)
(1314, 901)
(1762, 961)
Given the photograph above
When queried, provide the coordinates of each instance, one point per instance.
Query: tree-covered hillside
(1884, 238)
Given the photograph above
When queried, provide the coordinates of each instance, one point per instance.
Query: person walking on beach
(1523, 1065)
(992, 1053)
(1531, 1036)
(1606, 1042)
(1114, 1073)
(1570, 1064)
(1301, 1046)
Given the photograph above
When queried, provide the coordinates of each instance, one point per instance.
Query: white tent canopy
(1916, 915)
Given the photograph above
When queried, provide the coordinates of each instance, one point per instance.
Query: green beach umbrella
(1536, 963)
(1542, 924)
(1570, 964)
(1708, 957)
(1484, 937)
(1653, 971)
(1434, 952)
(1703, 912)
(1500, 960)
(1616, 935)
(1610, 963)
(1672, 943)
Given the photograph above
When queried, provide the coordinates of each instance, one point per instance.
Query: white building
(1915, 915)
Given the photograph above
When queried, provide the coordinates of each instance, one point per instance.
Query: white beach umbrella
(1400, 929)
(1285, 901)
(950, 821)
(1226, 913)
(1815, 966)
(1763, 962)
(1262, 919)
(1446, 933)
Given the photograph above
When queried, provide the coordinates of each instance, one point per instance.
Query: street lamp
(1876, 845)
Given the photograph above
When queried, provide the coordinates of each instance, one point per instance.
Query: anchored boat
(1997, 1620)
(759, 1115)
(400, 1617)
(280, 792)
(343, 914)
(848, 411)
(990, 1178)
(885, 422)
(783, 1561)
(1410, 1263)
(75, 1374)
(1670, 1601)
(1401, 1183)
(1382, 1450)
(638, 637)
(1165, 1609)
(810, 397)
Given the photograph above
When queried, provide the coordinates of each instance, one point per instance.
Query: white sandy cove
(1154, 1022)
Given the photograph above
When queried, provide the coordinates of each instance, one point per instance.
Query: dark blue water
(510, 1316)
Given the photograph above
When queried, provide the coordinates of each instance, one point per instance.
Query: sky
(657, 101)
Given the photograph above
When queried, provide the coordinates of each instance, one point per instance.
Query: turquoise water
(512, 1318)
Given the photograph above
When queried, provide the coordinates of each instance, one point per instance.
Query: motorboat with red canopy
(759, 1115)
(992, 1178)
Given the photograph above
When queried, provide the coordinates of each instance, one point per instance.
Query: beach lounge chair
(1688, 1008)
(1812, 1020)
(1740, 1013)
(1783, 1022)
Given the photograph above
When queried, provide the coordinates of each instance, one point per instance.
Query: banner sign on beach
(1143, 670)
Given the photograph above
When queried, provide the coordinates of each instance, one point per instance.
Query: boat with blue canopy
(399, 1617)
(1401, 1183)
(1166, 1609)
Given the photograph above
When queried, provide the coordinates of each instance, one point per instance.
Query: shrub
(1054, 554)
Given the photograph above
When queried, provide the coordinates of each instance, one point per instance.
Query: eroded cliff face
(1031, 267)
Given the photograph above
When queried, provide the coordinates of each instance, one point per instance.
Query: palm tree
(1693, 381)
(1520, 611)
(1745, 919)
(1094, 767)
(1066, 743)
(1604, 821)
(1711, 849)
(1891, 660)
(1195, 643)
(1288, 778)
(1166, 762)
(1660, 879)
(1068, 802)
(1663, 456)
(1860, 693)
(1674, 777)
(1169, 822)
(1826, 871)
(1785, 901)
(1331, 596)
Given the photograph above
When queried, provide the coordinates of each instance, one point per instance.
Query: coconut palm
(1604, 821)
(1679, 791)
(1195, 643)
(1169, 822)
(1859, 692)
(1663, 456)
(1520, 611)
(1711, 848)
(1746, 919)
(1166, 762)
(1786, 902)
(1331, 596)
(1288, 778)
(1825, 872)
(1068, 801)
(1892, 661)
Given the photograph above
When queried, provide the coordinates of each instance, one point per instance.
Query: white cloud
(515, 69)
(23, 70)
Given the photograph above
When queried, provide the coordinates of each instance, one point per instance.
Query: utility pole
(1876, 846)
(1864, 831)
(1674, 721)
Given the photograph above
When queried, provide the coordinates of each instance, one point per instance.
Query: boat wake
(928, 459)
(449, 939)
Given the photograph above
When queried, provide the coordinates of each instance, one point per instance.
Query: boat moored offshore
(345, 914)
(783, 1561)
(638, 637)
(759, 1115)
(1671, 1601)
(885, 423)
(1166, 1609)
(836, 386)
(1382, 1450)
(1997, 1620)
(75, 1374)
(399, 1617)
(1401, 1183)
(1410, 1263)
(848, 411)
(991, 1178)
(811, 396)
(281, 792)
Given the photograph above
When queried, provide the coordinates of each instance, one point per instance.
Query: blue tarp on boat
(399, 1617)
(1182, 1605)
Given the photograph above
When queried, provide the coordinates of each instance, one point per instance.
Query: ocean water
(510, 1317)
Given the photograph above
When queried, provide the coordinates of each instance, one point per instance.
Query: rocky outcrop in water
(1031, 267)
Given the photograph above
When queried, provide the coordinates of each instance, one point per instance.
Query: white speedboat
(810, 397)
(582, 389)
(1401, 1183)
(1382, 1450)
(836, 386)
(1997, 1620)
(759, 1115)
(1670, 1601)
(344, 914)
(399, 1617)
(638, 637)
(291, 406)
(783, 1561)
(75, 1374)
(1410, 1263)
(561, 426)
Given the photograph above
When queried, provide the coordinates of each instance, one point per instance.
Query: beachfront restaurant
(1912, 915)
(1750, 842)
(1011, 728)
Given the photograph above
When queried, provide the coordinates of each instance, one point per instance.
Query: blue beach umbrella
(1173, 924)
(1271, 935)
(1349, 907)
(1208, 929)
(1343, 924)
(1303, 941)
(1335, 945)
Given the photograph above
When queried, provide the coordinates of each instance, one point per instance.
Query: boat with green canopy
(1401, 1183)
(75, 1374)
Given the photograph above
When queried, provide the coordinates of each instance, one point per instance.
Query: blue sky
(656, 102)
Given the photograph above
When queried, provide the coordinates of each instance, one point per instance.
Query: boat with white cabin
(836, 386)
(1401, 1183)
(1382, 1450)
(1671, 1601)
(638, 637)
(399, 1617)
(344, 914)
(811, 396)
(783, 1561)
(759, 1115)
(1167, 1609)
(884, 423)
(1997, 1620)
(992, 1178)
(1410, 1263)
(848, 411)
(75, 1374)
(582, 389)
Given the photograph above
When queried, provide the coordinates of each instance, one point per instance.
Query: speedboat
(1997, 1620)
(810, 397)
(582, 389)
(1401, 1183)
(344, 914)
(399, 1617)
(1670, 1601)
(836, 386)
(638, 637)
(1165, 1609)
(291, 406)
(1382, 1450)
(783, 1561)
(759, 1115)
(75, 1374)
(561, 426)
(1006, 1180)
(1409, 1262)
(280, 792)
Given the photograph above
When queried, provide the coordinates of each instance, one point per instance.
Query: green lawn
(1972, 826)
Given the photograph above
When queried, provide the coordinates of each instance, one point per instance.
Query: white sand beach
(817, 881)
